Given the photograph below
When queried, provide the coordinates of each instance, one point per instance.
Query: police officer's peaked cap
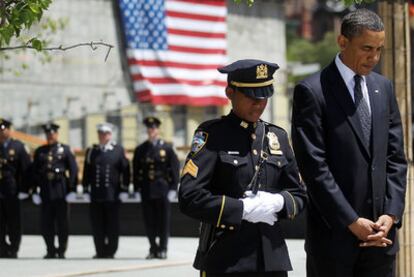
(105, 127)
(254, 78)
(4, 124)
(50, 127)
(151, 122)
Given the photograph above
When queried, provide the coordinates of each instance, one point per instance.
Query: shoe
(49, 256)
(98, 256)
(61, 255)
(151, 255)
(12, 255)
(162, 255)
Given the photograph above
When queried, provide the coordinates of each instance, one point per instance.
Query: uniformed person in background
(55, 174)
(240, 179)
(106, 173)
(14, 163)
(156, 172)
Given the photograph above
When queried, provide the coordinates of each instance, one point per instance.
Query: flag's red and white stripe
(186, 73)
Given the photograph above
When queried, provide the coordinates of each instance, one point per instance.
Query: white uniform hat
(105, 127)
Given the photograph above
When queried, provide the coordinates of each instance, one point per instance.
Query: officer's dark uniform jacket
(221, 164)
(55, 171)
(103, 170)
(156, 169)
(14, 162)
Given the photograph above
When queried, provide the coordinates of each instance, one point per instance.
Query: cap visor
(257, 93)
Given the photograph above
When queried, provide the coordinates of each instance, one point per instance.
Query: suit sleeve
(125, 170)
(73, 169)
(396, 162)
(308, 139)
(86, 170)
(34, 171)
(24, 170)
(174, 169)
(136, 173)
(294, 191)
(195, 197)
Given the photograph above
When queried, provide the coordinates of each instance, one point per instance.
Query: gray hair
(354, 23)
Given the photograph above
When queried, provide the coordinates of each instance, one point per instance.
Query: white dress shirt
(347, 75)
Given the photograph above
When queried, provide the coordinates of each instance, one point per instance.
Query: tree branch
(93, 45)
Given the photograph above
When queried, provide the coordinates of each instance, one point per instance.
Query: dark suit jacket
(345, 178)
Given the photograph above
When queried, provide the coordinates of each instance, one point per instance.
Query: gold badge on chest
(274, 145)
(163, 153)
(12, 152)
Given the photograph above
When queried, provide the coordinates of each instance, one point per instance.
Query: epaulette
(273, 125)
(206, 124)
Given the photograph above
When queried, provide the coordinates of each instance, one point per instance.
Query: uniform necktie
(362, 109)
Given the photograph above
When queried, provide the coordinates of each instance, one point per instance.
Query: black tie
(362, 109)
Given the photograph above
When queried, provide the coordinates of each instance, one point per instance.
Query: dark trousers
(246, 274)
(369, 262)
(55, 221)
(10, 226)
(105, 227)
(157, 214)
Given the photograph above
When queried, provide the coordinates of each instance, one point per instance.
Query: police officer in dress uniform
(14, 163)
(156, 172)
(240, 179)
(106, 173)
(55, 172)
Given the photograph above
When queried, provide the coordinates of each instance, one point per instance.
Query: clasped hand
(372, 233)
(262, 207)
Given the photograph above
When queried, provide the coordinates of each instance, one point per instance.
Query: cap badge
(274, 145)
(261, 71)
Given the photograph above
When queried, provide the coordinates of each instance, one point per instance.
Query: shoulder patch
(199, 140)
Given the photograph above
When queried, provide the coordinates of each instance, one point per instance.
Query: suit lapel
(341, 94)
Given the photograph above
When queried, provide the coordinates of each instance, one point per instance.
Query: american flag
(174, 49)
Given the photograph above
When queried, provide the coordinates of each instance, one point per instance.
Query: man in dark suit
(156, 172)
(240, 179)
(348, 141)
(105, 174)
(55, 173)
(14, 163)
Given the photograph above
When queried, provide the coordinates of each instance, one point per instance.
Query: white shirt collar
(347, 74)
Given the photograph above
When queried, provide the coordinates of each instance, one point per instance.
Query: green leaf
(7, 33)
(34, 8)
(37, 44)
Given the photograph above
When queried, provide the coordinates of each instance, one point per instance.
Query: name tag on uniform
(233, 152)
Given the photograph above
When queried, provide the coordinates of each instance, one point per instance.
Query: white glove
(255, 211)
(131, 189)
(172, 195)
(36, 199)
(70, 197)
(79, 189)
(123, 196)
(274, 200)
(22, 195)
